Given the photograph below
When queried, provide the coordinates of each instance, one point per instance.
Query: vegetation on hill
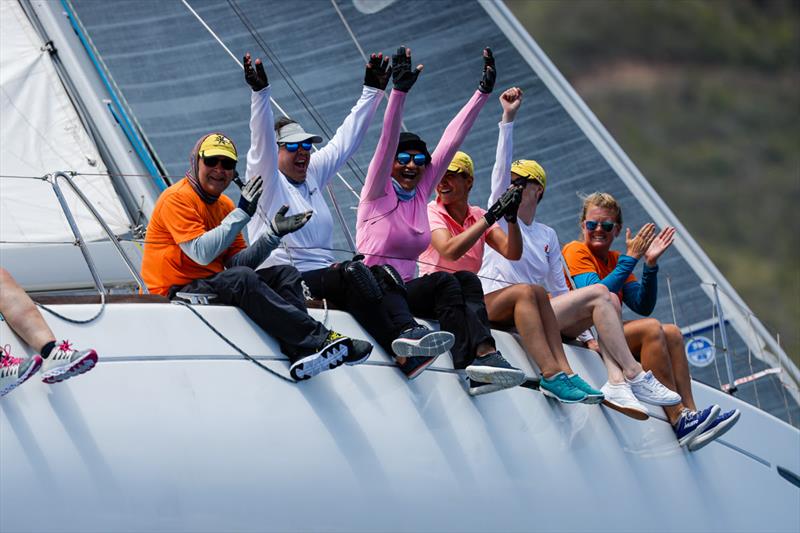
(704, 97)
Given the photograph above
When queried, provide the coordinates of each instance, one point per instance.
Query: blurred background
(704, 97)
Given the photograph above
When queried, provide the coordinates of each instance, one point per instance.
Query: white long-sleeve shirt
(309, 247)
(541, 252)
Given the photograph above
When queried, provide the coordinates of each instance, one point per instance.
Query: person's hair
(283, 121)
(600, 199)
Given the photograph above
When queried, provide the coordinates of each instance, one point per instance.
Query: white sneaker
(648, 389)
(620, 398)
(64, 363)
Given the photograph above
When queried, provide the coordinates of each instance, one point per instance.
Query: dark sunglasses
(419, 159)
(292, 147)
(227, 162)
(606, 225)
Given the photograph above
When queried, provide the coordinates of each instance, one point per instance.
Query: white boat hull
(173, 431)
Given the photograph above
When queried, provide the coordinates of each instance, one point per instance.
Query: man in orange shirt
(194, 244)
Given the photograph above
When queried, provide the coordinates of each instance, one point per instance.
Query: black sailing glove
(282, 225)
(251, 192)
(489, 75)
(402, 75)
(501, 206)
(256, 77)
(511, 213)
(377, 73)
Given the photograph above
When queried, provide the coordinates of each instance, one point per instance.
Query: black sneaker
(420, 341)
(330, 355)
(493, 368)
(358, 352)
(414, 366)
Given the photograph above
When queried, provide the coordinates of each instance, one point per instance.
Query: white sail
(42, 133)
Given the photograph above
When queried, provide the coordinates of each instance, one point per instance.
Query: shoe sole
(702, 440)
(507, 377)
(433, 344)
(420, 369)
(485, 389)
(556, 397)
(627, 411)
(77, 367)
(715, 410)
(34, 368)
(329, 358)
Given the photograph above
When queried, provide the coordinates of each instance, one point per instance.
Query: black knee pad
(388, 277)
(360, 278)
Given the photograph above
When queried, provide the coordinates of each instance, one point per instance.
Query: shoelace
(7, 358)
(64, 349)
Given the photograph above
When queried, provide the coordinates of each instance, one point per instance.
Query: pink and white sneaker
(64, 363)
(14, 371)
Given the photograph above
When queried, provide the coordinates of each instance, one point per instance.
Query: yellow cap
(461, 163)
(217, 144)
(530, 169)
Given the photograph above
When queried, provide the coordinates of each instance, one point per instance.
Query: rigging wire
(232, 344)
(305, 101)
(272, 100)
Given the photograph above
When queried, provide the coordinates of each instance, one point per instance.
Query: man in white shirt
(294, 176)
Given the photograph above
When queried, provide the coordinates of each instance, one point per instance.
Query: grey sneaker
(64, 362)
(420, 341)
(493, 368)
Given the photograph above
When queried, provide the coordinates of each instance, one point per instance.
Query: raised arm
(262, 157)
(378, 182)
(510, 100)
(348, 137)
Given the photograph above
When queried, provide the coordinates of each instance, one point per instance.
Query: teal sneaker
(592, 395)
(561, 388)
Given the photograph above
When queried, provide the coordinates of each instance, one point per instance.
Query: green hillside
(704, 97)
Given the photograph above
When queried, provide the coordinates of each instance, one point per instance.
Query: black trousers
(456, 301)
(384, 320)
(273, 299)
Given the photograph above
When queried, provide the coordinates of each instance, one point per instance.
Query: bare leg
(680, 366)
(646, 340)
(21, 314)
(523, 305)
(577, 310)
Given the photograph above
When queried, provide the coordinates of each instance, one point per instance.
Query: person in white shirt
(575, 311)
(293, 175)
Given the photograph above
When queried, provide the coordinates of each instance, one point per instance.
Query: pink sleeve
(378, 182)
(451, 141)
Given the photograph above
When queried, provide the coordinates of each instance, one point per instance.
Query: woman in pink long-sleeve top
(393, 228)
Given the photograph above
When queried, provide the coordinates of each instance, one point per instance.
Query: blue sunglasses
(405, 158)
(292, 147)
(607, 226)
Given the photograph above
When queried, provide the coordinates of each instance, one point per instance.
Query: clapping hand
(256, 77)
(282, 225)
(638, 245)
(659, 245)
(377, 73)
(489, 74)
(402, 75)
